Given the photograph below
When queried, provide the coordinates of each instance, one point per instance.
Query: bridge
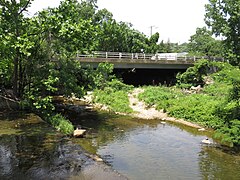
(141, 60)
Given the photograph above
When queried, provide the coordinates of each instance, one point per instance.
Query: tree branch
(25, 7)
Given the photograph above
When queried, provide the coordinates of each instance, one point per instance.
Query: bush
(158, 96)
(194, 75)
(229, 134)
(115, 96)
(117, 85)
(61, 124)
(117, 101)
(197, 108)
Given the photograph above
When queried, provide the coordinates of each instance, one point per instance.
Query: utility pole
(151, 30)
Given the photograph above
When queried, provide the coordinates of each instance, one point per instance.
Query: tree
(13, 24)
(203, 44)
(223, 17)
(152, 43)
(68, 29)
(102, 15)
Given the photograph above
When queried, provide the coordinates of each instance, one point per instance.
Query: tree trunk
(15, 74)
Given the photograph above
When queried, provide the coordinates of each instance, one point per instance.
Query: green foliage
(191, 107)
(117, 85)
(102, 75)
(223, 18)
(229, 134)
(6, 68)
(158, 96)
(117, 101)
(68, 73)
(194, 75)
(115, 96)
(198, 108)
(219, 89)
(61, 124)
(203, 44)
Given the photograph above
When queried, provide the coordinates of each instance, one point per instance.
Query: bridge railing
(116, 55)
(144, 56)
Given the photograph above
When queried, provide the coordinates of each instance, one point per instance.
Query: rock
(79, 132)
(206, 141)
(96, 158)
(196, 89)
(202, 129)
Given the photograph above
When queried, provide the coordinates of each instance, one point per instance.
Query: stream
(130, 148)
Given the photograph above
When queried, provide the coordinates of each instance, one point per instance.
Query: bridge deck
(139, 60)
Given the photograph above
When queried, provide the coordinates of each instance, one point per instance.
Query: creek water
(147, 149)
(31, 149)
(137, 149)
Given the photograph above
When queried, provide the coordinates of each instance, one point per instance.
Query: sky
(175, 20)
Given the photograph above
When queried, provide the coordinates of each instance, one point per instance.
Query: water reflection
(30, 149)
(141, 149)
(218, 164)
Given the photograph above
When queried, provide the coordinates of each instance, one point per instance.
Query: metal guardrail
(143, 56)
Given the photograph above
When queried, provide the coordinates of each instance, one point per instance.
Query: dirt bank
(141, 110)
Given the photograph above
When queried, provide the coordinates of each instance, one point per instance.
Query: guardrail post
(132, 55)
(106, 55)
(144, 56)
(120, 55)
(194, 58)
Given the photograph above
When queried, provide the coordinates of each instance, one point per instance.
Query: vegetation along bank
(207, 94)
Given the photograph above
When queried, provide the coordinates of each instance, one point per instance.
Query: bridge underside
(141, 77)
(137, 64)
(142, 71)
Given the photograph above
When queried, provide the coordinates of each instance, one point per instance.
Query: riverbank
(139, 109)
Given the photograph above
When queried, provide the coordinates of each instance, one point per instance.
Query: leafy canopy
(223, 18)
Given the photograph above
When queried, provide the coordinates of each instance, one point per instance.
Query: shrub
(117, 85)
(61, 123)
(158, 96)
(197, 108)
(194, 75)
(117, 101)
(115, 96)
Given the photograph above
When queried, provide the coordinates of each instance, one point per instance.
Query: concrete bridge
(141, 60)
